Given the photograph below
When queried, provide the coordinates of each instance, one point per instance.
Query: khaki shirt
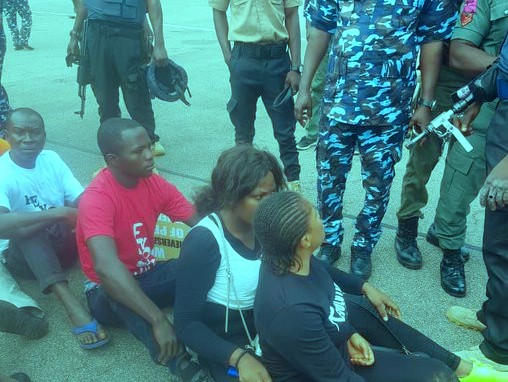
(256, 20)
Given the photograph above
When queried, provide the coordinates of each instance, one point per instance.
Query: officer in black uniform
(116, 51)
(494, 196)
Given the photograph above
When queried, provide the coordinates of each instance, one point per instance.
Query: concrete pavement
(194, 136)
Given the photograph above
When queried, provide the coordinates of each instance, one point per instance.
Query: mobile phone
(232, 372)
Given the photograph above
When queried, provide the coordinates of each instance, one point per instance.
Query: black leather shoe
(329, 254)
(361, 265)
(432, 238)
(453, 277)
(406, 248)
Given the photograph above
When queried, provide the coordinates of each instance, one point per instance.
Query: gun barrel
(417, 139)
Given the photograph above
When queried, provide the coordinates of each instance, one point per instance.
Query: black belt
(275, 50)
(112, 29)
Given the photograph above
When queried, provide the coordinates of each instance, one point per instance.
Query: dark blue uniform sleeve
(323, 14)
(297, 334)
(197, 268)
(436, 21)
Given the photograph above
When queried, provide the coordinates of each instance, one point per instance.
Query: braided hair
(281, 220)
(236, 174)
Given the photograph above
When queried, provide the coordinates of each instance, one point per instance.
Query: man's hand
(293, 80)
(383, 304)
(464, 122)
(251, 370)
(159, 55)
(303, 106)
(494, 193)
(420, 119)
(227, 58)
(72, 49)
(165, 337)
(360, 351)
(68, 214)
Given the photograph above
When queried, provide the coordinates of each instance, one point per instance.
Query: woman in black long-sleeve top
(310, 330)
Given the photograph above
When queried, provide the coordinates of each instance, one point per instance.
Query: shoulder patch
(468, 12)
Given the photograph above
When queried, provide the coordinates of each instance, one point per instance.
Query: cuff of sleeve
(220, 5)
(292, 3)
(469, 35)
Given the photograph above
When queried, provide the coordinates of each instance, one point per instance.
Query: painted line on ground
(205, 181)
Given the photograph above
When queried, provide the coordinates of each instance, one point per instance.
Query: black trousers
(259, 70)
(396, 366)
(117, 56)
(43, 256)
(495, 250)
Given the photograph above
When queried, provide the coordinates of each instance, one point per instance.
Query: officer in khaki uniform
(261, 66)
(476, 41)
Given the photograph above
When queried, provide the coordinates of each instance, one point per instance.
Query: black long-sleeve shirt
(303, 326)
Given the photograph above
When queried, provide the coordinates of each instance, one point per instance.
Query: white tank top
(240, 287)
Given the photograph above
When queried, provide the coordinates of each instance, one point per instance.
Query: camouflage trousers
(12, 8)
(380, 149)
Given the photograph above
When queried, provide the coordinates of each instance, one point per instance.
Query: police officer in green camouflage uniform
(475, 43)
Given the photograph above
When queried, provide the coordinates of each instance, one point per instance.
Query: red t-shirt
(128, 215)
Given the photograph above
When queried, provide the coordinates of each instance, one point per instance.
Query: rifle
(479, 90)
(83, 77)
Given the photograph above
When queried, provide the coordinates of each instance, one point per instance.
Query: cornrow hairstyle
(281, 220)
(236, 174)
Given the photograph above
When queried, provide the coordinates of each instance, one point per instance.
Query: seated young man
(38, 200)
(115, 233)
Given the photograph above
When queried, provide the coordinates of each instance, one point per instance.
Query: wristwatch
(296, 68)
(427, 102)
(75, 34)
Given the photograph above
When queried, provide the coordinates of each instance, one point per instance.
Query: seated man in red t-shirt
(115, 234)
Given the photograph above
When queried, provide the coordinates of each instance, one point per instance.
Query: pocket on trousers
(461, 164)
(231, 105)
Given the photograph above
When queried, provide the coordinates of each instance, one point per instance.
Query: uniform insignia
(468, 12)
(466, 18)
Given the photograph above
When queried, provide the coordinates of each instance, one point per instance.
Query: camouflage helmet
(167, 82)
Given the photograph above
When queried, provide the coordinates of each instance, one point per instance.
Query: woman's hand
(251, 370)
(383, 304)
(360, 351)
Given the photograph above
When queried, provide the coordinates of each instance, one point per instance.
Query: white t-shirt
(49, 184)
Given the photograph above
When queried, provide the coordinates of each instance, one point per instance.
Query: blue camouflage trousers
(380, 148)
(12, 8)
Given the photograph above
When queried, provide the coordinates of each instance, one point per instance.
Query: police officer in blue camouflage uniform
(366, 103)
(20, 36)
(117, 50)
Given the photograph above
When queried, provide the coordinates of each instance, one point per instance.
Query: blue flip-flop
(91, 327)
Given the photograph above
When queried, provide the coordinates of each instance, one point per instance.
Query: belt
(114, 29)
(255, 50)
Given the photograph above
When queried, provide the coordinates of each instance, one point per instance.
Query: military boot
(408, 253)
(432, 238)
(329, 253)
(361, 265)
(453, 277)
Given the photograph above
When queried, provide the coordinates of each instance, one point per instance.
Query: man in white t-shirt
(38, 210)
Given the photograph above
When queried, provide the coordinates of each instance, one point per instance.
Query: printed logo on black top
(338, 309)
(34, 201)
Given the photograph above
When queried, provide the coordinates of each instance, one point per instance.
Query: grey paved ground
(193, 137)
